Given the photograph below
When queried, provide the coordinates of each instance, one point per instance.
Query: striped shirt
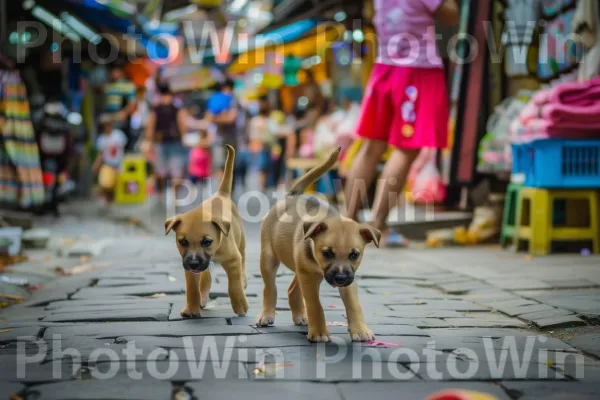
(118, 94)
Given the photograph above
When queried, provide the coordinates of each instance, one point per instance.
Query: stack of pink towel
(569, 110)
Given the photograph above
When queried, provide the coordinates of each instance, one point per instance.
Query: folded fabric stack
(568, 111)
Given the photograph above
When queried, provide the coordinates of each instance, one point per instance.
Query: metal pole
(3, 21)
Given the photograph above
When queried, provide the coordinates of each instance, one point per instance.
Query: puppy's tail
(314, 174)
(225, 187)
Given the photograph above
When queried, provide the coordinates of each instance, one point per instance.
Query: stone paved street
(481, 319)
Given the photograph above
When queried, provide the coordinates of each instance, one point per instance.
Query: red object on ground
(454, 394)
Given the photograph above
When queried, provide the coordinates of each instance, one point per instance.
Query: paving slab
(272, 340)
(8, 390)
(496, 321)
(115, 302)
(570, 283)
(553, 312)
(518, 284)
(265, 390)
(519, 310)
(137, 290)
(108, 316)
(342, 371)
(12, 369)
(172, 370)
(589, 343)
(432, 305)
(121, 388)
(384, 330)
(585, 301)
(26, 333)
(464, 287)
(477, 332)
(551, 390)
(456, 369)
(559, 321)
(413, 390)
(87, 349)
(175, 328)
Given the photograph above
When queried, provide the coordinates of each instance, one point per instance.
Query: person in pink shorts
(405, 103)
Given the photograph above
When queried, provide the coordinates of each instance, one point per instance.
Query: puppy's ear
(312, 228)
(370, 234)
(172, 223)
(223, 226)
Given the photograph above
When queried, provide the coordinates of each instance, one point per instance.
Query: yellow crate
(131, 185)
(535, 218)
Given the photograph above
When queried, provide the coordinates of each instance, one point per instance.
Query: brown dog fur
(310, 237)
(212, 232)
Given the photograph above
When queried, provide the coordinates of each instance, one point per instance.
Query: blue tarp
(286, 34)
(96, 13)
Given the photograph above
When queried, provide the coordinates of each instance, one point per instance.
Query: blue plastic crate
(519, 157)
(559, 163)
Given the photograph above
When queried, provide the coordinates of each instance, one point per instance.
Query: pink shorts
(406, 107)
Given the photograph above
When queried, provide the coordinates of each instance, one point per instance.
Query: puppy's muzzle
(339, 276)
(196, 264)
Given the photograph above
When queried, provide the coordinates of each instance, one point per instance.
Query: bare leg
(362, 173)
(391, 184)
(263, 180)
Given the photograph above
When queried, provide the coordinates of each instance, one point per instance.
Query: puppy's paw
(240, 306)
(361, 333)
(265, 319)
(300, 319)
(188, 312)
(203, 300)
(317, 336)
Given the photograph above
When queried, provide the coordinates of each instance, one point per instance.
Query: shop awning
(99, 14)
(319, 38)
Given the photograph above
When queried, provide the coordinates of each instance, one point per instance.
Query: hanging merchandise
(557, 56)
(518, 35)
(55, 142)
(20, 174)
(586, 23)
(494, 147)
(273, 71)
(200, 79)
(291, 67)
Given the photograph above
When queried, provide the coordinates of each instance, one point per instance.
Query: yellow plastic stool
(537, 214)
(131, 185)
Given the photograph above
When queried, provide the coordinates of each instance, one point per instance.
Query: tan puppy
(212, 232)
(310, 237)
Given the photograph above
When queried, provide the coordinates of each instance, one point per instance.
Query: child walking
(111, 148)
(262, 138)
(405, 104)
(200, 161)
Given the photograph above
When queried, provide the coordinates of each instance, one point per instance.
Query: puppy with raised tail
(312, 239)
(212, 232)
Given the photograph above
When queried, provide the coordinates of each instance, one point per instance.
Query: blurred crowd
(180, 143)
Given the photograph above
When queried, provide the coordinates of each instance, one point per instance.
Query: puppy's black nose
(340, 278)
(194, 263)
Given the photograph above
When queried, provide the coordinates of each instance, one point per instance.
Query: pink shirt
(200, 162)
(406, 32)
